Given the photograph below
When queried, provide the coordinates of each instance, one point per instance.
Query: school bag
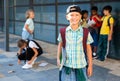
(40, 50)
(85, 36)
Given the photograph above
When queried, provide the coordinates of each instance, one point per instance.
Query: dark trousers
(28, 54)
(102, 47)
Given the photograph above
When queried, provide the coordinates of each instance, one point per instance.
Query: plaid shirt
(75, 57)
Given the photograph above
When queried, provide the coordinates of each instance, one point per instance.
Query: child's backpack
(40, 48)
(108, 21)
(85, 36)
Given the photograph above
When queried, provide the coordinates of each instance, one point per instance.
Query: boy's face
(105, 12)
(85, 15)
(74, 18)
(93, 12)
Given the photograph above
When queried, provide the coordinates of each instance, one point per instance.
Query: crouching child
(28, 51)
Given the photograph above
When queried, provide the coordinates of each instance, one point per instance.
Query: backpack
(40, 51)
(108, 21)
(85, 36)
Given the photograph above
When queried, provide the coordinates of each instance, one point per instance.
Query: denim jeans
(26, 35)
(71, 76)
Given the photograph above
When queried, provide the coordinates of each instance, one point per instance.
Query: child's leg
(30, 37)
(25, 35)
(104, 52)
(100, 47)
(34, 61)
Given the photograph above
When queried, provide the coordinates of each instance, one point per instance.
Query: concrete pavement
(109, 70)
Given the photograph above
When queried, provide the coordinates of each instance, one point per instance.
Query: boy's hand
(31, 32)
(89, 71)
(109, 38)
(19, 62)
(58, 63)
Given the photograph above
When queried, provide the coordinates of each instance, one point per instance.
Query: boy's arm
(99, 19)
(35, 55)
(20, 51)
(89, 56)
(27, 28)
(110, 33)
(59, 53)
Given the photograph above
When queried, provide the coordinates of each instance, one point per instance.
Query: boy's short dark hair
(108, 7)
(21, 42)
(84, 11)
(94, 8)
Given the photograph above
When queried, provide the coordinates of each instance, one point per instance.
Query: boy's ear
(67, 17)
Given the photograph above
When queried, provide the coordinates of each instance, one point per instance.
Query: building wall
(50, 17)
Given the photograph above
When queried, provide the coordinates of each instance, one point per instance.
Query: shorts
(95, 37)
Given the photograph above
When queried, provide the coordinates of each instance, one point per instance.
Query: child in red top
(95, 28)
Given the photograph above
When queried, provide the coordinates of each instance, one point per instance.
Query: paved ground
(108, 70)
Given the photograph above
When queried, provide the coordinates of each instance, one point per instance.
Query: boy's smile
(74, 18)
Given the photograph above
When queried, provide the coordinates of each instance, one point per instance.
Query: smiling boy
(74, 64)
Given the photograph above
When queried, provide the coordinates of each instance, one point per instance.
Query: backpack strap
(85, 36)
(62, 32)
(40, 48)
(109, 21)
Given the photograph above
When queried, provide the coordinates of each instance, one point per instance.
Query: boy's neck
(108, 14)
(74, 27)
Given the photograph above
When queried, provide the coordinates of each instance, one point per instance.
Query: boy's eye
(71, 15)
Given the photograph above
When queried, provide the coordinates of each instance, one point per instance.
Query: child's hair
(108, 7)
(94, 8)
(27, 15)
(83, 12)
(21, 42)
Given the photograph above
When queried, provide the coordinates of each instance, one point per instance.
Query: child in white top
(28, 28)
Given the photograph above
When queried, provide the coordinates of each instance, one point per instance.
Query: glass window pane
(1, 25)
(45, 14)
(18, 28)
(43, 1)
(20, 13)
(21, 2)
(71, 0)
(11, 2)
(11, 27)
(11, 13)
(45, 32)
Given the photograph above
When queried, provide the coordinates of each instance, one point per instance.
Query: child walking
(73, 66)
(105, 33)
(28, 29)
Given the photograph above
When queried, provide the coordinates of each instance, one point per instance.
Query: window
(43, 1)
(21, 2)
(11, 14)
(20, 13)
(18, 27)
(45, 14)
(11, 27)
(71, 0)
(45, 32)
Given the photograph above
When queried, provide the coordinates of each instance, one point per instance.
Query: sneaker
(27, 66)
(94, 54)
